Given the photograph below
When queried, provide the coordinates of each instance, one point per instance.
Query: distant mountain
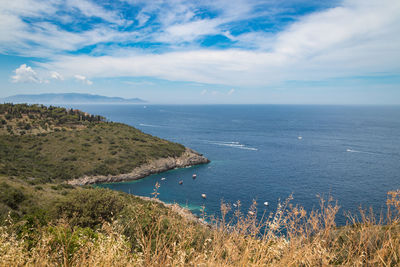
(69, 98)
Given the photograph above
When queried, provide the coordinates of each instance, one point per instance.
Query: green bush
(11, 196)
(90, 208)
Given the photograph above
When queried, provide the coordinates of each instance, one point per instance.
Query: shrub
(90, 208)
(11, 196)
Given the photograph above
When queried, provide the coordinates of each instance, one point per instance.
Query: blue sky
(204, 52)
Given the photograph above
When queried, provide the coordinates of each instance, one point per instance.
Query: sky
(205, 51)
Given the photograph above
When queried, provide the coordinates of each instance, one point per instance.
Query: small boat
(180, 182)
(251, 213)
(194, 176)
(163, 179)
(266, 203)
(235, 205)
(203, 196)
(300, 137)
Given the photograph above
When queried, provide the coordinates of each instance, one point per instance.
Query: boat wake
(150, 125)
(358, 151)
(231, 144)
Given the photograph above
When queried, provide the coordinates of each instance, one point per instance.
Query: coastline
(188, 158)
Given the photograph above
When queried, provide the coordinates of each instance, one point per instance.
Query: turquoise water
(267, 152)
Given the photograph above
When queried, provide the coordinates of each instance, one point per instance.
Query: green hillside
(47, 143)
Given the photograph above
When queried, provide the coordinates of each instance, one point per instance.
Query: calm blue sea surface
(267, 152)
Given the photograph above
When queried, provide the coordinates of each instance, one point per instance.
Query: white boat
(194, 176)
(163, 179)
(300, 137)
(203, 196)
(251, 213)
(266, 203)
(180, 182)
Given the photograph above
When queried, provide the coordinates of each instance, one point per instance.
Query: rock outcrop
(188, 158)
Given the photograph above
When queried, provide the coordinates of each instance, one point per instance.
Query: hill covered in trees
(42, 143)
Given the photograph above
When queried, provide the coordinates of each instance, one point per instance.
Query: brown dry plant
(288, 237)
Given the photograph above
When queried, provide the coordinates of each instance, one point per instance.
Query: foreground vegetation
(46, 222)
(61, 221)
(42, 144)
(98, 227)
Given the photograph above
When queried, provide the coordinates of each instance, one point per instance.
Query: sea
(266, 153)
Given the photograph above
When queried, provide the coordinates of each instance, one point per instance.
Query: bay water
(268, 152)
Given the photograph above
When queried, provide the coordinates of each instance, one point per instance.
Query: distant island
(69, 98)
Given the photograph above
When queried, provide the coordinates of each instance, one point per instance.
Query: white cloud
(41, 38)
(215, 93)
(356, 38)
(189, 31)
(56, 76)
(90, 9)
(359, 37)
(139, 83)
(182, 22)
(83, 79)
(25, 74)
(142, 18)
(212, 93)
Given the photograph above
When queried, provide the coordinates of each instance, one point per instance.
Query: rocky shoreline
(188, 158)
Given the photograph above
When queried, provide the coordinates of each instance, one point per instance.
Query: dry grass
(289, 237)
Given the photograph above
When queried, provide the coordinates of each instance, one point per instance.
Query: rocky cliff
(188, 158)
